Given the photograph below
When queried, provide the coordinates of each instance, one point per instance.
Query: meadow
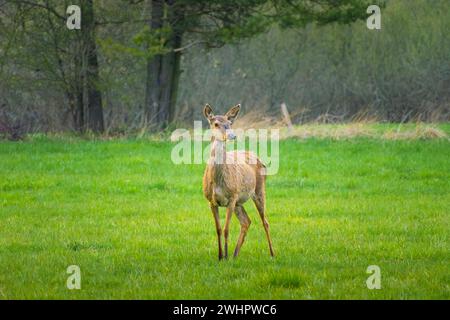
(139, 227)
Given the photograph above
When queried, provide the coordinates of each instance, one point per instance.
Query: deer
(230, 179)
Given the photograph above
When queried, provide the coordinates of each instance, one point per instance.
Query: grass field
(139, 227)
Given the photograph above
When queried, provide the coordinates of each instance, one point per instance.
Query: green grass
(139, 227)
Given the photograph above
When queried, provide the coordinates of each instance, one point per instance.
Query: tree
(66, 58)
(94, 98)
(214, 23)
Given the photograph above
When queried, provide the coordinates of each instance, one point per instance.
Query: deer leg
(215, 211)
(259, 201)
(226, 229)
(245, 222)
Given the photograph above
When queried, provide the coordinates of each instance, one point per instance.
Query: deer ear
(207, 112)
(233, 113)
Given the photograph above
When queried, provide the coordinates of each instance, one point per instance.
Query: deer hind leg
(245, 222)
(215, 211)
(259, 201)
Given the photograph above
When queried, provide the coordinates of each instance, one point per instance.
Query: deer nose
(231, 136)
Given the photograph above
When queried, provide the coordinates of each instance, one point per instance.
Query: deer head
(221, 125)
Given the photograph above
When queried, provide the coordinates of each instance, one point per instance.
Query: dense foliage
(319, 59)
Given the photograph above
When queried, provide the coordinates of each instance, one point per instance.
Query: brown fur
(228, 183)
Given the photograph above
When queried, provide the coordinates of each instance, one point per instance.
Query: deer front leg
(215, 211)
(226, 230)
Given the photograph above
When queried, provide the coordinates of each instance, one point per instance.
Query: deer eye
(216, 125)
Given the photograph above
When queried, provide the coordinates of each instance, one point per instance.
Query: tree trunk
(95, 120)
(77, 96)
(163, 69)
(175, 77)
(77, 109)
(154, 66)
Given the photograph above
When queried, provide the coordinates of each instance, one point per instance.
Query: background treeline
(335, 72)
(332, 72)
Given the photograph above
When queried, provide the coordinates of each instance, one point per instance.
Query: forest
(138, 65)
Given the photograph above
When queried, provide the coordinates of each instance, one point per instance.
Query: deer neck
(218, 169)
(218, 152)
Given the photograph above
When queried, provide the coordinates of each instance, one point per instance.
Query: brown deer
(231, 178)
